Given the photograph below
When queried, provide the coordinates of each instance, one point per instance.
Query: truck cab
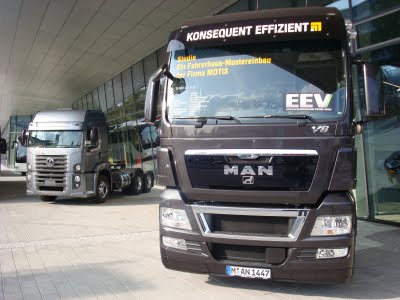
(257, 147)
(68, 156)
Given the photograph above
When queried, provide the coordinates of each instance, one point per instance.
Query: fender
(103, 167)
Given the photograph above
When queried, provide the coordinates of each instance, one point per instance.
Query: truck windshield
(258, 83)
(55, 139)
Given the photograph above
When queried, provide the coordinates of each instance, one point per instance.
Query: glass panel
(379, 30)
(382, 145)
(162, 56)
(365, 8)
(89, 100)
(130, 106)
(102, 97)
(95, 96)
(84, 103)
(288, 79)
(241, 5)
(140, 94)
(79, 104)
(118, 96)
(127, 83)
(149, 143)
(150, 66)
(138, 76)
(109, 94)
(245, 5)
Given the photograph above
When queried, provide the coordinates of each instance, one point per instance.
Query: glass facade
(17, 152)
(131, 141)
(378, 42)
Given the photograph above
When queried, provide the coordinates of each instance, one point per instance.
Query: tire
(148, 182)
(136, 186)
(102, 190)
(48, 198)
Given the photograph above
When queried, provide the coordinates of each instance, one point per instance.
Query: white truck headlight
(77, 178)
(29, 166)
(77, 167)
(332, 225)
(176, 218)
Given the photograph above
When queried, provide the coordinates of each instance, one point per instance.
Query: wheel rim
(103, 189)
(148, 181)
(139, 183)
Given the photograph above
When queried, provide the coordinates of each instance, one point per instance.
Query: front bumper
(85, 189)
(299, 263)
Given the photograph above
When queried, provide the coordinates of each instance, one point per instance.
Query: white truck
(68, 156)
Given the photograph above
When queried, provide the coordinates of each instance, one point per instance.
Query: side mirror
(14, 145)
(3, 146)
(25, 136)
(372, 84)
(93, 138)
(150, 106)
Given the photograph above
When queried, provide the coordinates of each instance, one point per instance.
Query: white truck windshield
(247, 82)
(55, 139)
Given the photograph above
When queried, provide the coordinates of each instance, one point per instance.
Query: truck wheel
(102, 190)
(48, 198)
(148, 182)
(136, 186)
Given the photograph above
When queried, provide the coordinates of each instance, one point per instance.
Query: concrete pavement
(70, 249)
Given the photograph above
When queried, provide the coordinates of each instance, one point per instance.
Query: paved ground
(71, 249)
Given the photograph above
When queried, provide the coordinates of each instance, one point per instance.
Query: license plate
(248, 272)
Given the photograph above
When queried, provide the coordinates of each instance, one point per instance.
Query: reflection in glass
(257, 80)
(55, 139)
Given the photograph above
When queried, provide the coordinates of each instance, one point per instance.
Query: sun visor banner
(260, 31)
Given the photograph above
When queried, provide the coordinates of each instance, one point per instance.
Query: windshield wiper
(200, 121)
(303, 117)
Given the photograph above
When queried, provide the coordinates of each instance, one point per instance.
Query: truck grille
(254, 225)
(261, 224)
(51, 178)
(260, 254)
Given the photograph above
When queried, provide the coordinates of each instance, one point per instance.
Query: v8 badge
(320, 129)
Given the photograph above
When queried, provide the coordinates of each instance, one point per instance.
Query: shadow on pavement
(14, 190)
(376, 274)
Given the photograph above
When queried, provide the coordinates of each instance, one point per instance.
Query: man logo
(248, 179)
(316, 26)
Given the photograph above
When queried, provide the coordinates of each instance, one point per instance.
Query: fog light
(172, 217)
(323, 253)
(332, 225)
(174, 243)
(77, 178)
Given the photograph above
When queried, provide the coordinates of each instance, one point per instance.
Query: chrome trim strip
(245, 152)
(201, 210)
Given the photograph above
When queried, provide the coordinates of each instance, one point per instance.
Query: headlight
(172, 217)
(77, 178)
(28, 177)
(29, 166)
(332, 225)
(174, 243)
(323, 253)
(77, 167)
